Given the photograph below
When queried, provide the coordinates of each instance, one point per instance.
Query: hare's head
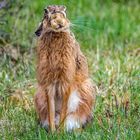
(54, 20)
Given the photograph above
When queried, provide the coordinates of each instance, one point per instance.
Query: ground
(109, 34)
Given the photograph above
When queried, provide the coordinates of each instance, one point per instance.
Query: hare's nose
(60, 22)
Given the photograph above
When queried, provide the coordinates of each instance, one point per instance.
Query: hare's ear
(51, 8)
(46, 11)
(39, 29)
(63, 8)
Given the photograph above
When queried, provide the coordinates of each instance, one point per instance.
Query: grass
(109, 34)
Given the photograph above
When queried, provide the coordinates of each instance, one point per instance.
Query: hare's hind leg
(80, 105)
(41, 106)
(72, 121)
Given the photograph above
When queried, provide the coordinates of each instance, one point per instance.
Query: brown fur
(61, 69)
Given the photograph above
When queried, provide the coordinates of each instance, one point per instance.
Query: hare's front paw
(45, 125)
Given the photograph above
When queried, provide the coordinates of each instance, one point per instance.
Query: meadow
(109, 34)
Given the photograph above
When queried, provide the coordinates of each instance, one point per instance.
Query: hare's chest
(61, 59)
(61, 65)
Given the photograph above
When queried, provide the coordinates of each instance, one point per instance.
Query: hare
(65, 94)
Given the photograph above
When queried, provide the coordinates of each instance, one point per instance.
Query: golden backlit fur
(62, 70)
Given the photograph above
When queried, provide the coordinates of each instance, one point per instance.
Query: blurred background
(109, 34)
